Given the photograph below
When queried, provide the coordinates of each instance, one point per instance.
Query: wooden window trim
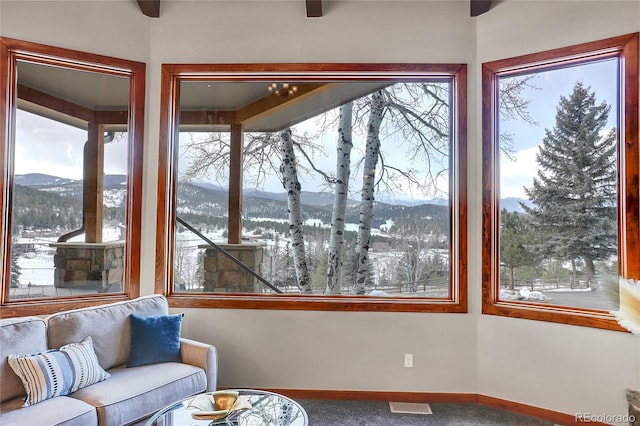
(12, 50)
(626, 49)
(173, 74)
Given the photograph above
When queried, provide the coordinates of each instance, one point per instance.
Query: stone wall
(89, 266)
(223, 275)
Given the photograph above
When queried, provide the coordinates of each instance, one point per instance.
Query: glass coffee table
(267, 409)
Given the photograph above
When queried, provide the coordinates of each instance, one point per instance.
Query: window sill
(554, 313)
(316, 303)
(37, 307)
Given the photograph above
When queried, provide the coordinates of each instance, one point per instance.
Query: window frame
(625, 48)
(12, 50)
(173, 74)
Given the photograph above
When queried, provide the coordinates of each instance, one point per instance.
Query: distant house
(23, 248)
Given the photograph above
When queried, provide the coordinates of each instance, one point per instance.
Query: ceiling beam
(272, 103)
(150, 8)
(54, 103)
(314, 8)
(200, 120)
(478, 7)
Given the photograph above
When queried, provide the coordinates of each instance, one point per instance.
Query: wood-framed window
(71, 177)
(571, 162)
(223, 111)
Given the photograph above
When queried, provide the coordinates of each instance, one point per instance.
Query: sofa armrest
(201, 355)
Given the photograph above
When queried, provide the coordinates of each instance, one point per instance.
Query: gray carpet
(374, 413)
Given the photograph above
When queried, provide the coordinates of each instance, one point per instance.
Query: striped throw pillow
(58, 372)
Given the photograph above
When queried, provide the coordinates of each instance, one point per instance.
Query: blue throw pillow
(154, 339)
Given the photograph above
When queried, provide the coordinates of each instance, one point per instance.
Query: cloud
(46, 146)
(53, 148)
(518, 172)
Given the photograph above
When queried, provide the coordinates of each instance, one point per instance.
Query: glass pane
(115, 186)
(291, 140)
(69, 200)
(558, 186)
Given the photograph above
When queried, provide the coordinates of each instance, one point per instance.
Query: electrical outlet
(408, 360)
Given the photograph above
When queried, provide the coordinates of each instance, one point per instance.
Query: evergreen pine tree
(348, 264)
(319, 278)
(574, 192)
(15, 268)
(517, 238)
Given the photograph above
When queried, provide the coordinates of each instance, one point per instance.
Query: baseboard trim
(542, 413)
(427, 397)
(468, 398)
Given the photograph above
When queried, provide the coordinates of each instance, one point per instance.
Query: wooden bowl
(224, 400)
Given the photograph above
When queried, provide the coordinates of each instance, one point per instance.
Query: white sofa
(129, 395)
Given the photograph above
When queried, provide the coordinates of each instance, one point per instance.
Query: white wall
(564, 368)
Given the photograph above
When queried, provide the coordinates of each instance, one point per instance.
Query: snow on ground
(523, 294)
(36, 267)
(564, 290)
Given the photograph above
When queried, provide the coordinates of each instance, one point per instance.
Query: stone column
(222, 275)
(89, 266)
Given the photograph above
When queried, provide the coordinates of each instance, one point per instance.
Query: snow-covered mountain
(115, 186)
(40, 179)
(209, 200)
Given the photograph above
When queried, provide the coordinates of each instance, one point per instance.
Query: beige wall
(564, 368)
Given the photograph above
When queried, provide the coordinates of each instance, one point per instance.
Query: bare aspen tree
(289, 171)
(372, 153)
(341, 190)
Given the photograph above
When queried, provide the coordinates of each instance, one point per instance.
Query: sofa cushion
(154, 339)
(110, 322)
(61, 410)
(57, 372)
(25, 335)
(132, 394)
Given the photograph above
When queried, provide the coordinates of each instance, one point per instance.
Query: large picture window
(560, 135)
(313, 186)
(71, 177)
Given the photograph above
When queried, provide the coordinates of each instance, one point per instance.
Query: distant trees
(34, 208)
(518, 240)
(15, 267)
(417, 243)
(574, 192)
(186, 272)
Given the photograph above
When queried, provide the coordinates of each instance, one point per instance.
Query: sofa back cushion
(108, 326)
(18, 336)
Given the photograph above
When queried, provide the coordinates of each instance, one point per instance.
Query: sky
(53, 148)
(519, 173)
(394, 150)
(325, 160)
(46, 146)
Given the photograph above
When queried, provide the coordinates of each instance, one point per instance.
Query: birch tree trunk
(291, 184)
(343, 169)
(372, 153)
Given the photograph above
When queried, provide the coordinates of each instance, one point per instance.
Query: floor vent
(409, 408)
